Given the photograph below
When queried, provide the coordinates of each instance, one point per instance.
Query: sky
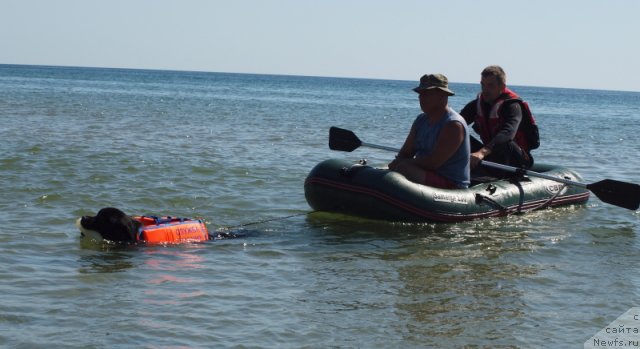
(593, 44)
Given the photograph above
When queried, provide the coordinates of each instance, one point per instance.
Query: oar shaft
(531, 173)
(380, 147)
(499, 167)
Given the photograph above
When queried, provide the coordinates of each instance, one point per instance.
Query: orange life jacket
(171, 230)
(527, 136)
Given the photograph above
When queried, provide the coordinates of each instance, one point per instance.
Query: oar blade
(343, 140)
(617, 193)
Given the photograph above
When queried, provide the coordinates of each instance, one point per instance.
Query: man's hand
(478, 156)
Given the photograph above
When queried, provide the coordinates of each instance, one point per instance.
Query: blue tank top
(457, 167)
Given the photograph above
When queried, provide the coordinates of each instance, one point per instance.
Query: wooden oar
(611, 191)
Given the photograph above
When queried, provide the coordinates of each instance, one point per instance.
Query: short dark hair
(497, 71)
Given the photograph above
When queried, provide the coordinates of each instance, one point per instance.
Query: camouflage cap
(431, 81)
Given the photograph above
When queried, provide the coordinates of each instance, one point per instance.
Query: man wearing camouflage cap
(436, 151)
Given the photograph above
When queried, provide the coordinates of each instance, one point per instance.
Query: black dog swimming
(114, 225)
(109, 224)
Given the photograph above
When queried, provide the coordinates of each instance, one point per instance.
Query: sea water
(234, 149)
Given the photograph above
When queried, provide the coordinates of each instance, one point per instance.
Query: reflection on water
(462, 292)
(174, 258)
(459, 283)
(171, 274)
(459, 280)
(105, 262)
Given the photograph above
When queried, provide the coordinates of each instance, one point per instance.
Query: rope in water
(268, 220)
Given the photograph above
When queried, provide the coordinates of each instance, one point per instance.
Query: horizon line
(292, 75)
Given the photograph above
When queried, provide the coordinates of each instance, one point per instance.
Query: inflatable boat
(358, 189)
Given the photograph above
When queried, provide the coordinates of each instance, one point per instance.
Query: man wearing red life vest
(503, 121)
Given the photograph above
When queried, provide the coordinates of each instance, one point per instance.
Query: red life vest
(488, 126)
(164, 230)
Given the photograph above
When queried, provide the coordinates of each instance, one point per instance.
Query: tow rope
(267, 220)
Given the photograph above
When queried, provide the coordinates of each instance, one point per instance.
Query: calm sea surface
(235, 149)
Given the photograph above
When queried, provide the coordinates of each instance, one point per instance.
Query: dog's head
(109, 224)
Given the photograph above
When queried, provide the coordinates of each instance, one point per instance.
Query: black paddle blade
(344, 140)
(617, 193)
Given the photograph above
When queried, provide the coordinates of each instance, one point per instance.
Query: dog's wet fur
(114, 225)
